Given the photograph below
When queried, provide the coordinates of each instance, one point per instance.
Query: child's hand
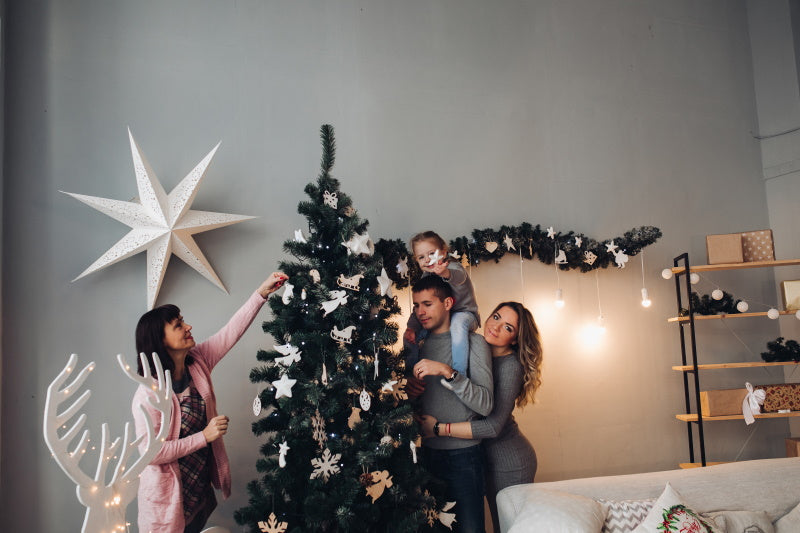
(440, 269)
(410, 336)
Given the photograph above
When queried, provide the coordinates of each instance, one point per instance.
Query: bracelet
(448, 430)
(436, 429)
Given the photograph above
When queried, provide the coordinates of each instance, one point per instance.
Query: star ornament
(161, 223)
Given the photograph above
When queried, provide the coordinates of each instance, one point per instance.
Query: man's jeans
(462, 471)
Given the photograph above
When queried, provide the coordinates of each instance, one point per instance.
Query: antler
(98, 496)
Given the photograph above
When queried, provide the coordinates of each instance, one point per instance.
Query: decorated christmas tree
(339, 438)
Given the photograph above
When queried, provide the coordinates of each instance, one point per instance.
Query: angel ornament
(337, 298)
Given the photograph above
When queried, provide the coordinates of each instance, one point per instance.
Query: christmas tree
(339, 450)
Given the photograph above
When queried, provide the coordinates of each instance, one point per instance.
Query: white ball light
(742, 306)
(773, 313)
(694, 278)
(666, 273)
(717, 294)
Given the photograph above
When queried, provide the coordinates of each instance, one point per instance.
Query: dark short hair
(440, 287)
(150, 337)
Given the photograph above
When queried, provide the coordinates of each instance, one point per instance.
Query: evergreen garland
(709, 306)
(580, 252)
(780, 352)
(381, 441)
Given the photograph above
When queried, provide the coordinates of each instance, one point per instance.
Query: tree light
(645, 298)
(559, 301)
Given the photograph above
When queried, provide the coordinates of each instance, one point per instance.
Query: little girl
(430, 251)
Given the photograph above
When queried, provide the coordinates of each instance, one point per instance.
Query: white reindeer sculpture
(105, 501)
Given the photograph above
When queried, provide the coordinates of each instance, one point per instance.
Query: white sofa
(770, 485)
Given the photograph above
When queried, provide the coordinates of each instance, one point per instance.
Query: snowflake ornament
(272, 525)
(318, 425)
(325, 466)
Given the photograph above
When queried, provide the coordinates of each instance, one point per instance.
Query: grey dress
(510, 458)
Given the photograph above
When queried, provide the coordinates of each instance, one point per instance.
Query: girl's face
(501, 327)
(422, 253)
(178, 336)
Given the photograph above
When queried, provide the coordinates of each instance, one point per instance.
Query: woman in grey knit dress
(516, 348)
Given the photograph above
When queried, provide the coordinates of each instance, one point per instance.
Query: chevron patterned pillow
(623, 516)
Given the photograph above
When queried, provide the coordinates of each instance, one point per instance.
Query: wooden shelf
(698, 465)
(731, 315)
(736, 266)
(718, 366)
(692, 417)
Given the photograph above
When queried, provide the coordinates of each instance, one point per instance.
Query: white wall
(451, 115)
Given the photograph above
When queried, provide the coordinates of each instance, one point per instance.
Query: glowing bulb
(666, 273)
(645, 299)
(601, 325)
(559, 301)
(717, 294)
(742, 306)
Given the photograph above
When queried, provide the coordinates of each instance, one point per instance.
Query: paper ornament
(402, 267)
(620, 258)
(337, 298)
(303, 294)
(331, 199)
(351, 283)
(343, 335)
(551, 233)
(396, 387)
(359, 244)
(434, 257)
(589, 257)
(491, 246)
(578, 242)
(509, 243)
(318, 427)
(610, 247)
(389, 386)
(355, 418)
(561, 257)
(288, 293)
(413, 446)
(455, 255)
(283, 387)
(314, 274)
(348, 211)
(365, 400)
(324, 378)
(272, 525)
(446, 518)
(325, 466)
(291, 354)
(385, 283)
(283, 449)
(464, 261)
(257, 405)
(381, 481)
(298, 236)
(161, 223)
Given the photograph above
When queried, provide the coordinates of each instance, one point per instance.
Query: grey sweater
(471, 397)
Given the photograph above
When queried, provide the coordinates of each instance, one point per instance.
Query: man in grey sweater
(451, 397)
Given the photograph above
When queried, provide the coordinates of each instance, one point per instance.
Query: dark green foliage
(528, 241)
(381, 441)
(780, 352)
(706, 305)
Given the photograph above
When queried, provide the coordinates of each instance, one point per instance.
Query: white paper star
(611, 247)
(551, 233)
(509, 243)
(578, 242)
(434, 257)
(385, 283)
(161, 223)
(283, 387)
(359, 244)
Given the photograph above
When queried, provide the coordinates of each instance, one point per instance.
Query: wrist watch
(452, 376)
(436, 429)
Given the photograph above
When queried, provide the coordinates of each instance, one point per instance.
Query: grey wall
(587, 116)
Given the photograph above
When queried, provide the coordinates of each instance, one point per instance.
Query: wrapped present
(792, 447)
(725, 248)
(758, 246)
(779, 397)
(791, 294)
(722, 402)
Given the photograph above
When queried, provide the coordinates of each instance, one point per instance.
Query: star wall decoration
(161, 223)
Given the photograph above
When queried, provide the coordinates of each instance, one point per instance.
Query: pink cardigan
(160, 502)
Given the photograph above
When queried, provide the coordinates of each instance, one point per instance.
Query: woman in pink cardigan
(176, 490)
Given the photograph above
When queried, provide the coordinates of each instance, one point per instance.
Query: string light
(645, 297)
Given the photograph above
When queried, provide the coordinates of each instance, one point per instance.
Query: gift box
(725, 248)
(722, 402)
(791, 294)
(758, 246)
(783, 396)
(792, 447)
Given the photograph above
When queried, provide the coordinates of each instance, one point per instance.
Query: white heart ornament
(491, 246)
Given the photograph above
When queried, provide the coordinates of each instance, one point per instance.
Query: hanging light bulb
(646, 302)
(559, 301)
(601, 325)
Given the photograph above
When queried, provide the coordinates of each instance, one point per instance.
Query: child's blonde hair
(429, 236)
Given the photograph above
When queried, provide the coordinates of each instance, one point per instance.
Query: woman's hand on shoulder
(274, 282)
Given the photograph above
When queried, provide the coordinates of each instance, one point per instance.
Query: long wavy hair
(529, 351)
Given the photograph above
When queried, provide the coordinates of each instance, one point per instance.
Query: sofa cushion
(670, 513)
(559, 512)
(623, 516)
(743, 521)
(790, 522)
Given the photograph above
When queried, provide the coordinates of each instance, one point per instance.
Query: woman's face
(178, 336)
(501, 327)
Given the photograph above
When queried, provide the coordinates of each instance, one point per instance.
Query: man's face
(432, 313)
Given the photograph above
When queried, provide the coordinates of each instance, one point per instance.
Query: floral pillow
(671, 514)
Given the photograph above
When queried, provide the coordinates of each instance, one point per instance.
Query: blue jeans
(462, 471)
(461, 324)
